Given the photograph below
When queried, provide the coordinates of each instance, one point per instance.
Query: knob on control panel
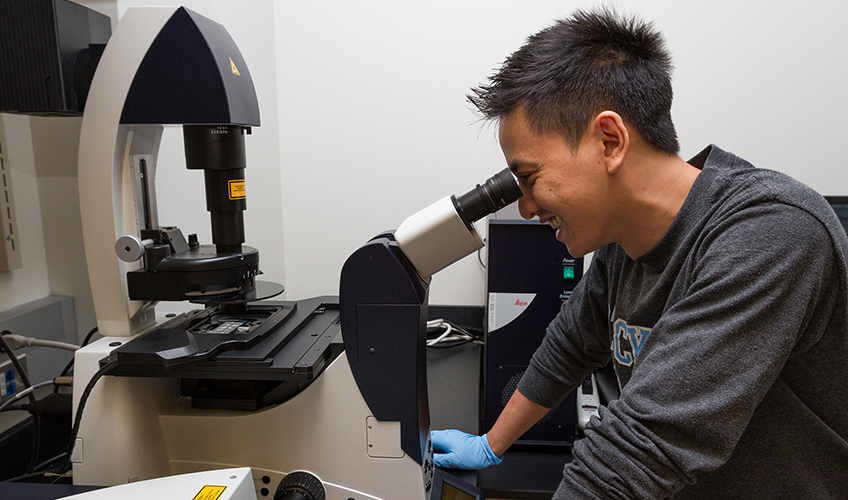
(131, 248)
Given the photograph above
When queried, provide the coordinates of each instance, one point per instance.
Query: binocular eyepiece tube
(444, 232)
(497, 192)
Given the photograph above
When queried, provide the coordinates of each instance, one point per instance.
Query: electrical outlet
(10, 379)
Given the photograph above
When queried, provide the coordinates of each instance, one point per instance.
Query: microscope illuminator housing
(193, 74)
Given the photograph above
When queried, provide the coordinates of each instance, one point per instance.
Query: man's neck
(653, 189)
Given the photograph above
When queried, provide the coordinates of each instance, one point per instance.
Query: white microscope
(242, 381)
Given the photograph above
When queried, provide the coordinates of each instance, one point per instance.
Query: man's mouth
(556, 222)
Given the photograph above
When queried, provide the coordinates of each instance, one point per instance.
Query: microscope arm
(383, 305)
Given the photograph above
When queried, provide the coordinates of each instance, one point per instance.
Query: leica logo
(520, 302)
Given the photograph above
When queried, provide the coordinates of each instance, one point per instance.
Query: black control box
(48, 51)
(529, 276)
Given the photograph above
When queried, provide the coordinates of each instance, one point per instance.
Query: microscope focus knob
(131, 248)
(300, 486)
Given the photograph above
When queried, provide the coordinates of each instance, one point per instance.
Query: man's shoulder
(737, 183)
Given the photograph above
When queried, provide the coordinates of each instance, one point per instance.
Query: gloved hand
(462, 451)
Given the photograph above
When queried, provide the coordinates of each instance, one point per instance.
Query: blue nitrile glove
(462, 451)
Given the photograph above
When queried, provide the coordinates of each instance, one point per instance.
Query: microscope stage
(270, 341)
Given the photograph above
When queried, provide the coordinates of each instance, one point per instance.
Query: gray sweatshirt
(730, 342)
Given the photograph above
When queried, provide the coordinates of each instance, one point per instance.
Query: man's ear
(610, 128)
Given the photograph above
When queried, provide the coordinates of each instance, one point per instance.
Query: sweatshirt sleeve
(759, 278)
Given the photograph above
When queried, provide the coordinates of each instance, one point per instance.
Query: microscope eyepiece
(497, 192)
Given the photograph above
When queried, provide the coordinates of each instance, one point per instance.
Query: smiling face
(567, 189)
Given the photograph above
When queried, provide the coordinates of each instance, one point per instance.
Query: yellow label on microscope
(210, 493)
(237, 191)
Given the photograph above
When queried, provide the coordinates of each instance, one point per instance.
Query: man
(718, 290)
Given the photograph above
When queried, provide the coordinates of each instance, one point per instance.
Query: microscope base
(140, 428)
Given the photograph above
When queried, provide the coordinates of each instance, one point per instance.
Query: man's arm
(458, 450)
(587, 306)
(466, 451)
(519, 415)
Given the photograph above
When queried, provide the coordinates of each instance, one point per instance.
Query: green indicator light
(567, 272)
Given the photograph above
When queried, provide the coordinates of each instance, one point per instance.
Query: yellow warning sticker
(233, 67)
(237, 189)
(210, 493)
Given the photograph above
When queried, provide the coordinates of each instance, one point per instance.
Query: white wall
(764, 80)
(364, 119)
(375, 125)
(55, 149)
(42, 155)
(30, 282)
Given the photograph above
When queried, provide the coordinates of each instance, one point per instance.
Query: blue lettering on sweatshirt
(628, 341)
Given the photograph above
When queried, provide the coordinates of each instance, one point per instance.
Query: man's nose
(527, 206)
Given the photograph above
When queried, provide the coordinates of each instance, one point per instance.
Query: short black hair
(592, 61)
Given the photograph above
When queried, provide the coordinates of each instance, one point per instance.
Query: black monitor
(840, 206)
(449, 487)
